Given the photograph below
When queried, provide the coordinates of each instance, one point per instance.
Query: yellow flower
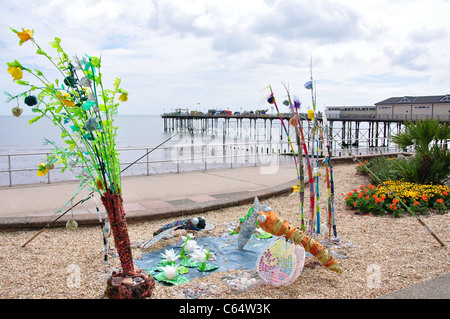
(123, 97)
(24, 36)
(16, 72)
(42, 170)
(311, 115)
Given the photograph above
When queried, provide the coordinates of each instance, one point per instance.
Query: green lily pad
(208, 267)
(182, 270)
(177, 280)
(188, 263)
(153, 270)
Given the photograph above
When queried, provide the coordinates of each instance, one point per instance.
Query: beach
(379, 255)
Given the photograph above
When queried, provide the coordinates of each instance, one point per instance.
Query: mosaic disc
(281, 262)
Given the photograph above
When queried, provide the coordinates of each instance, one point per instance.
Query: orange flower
(395, 201)
(99, 184)
(63, 97)
(367, 197)
(395, 207)
(360, 195)
(355, 190)
(350, 194)
(440, 201)
(123, 97)
(361, 187)
(424, 197)
(24, 36)
(445, 193)
(346, 198)
(416, 203)
(355, 204)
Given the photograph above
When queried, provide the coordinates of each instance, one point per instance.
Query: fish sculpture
(248, 225)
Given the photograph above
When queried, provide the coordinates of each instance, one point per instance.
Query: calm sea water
(224, 147)
(136, 136)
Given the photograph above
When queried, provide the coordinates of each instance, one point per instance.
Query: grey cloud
(234, 42)
(425, 35)
(412, 57)
(170, 18)
(323, 21)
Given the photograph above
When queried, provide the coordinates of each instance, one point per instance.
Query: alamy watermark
(249, 147)
(373, 276)
(73, 276)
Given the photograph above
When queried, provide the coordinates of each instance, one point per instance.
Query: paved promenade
(146, 197)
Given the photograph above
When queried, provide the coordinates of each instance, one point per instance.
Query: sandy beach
(379, 255)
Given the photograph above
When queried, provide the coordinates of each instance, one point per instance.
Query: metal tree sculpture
(79, 105)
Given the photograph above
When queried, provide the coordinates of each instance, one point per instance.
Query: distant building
(414, 108)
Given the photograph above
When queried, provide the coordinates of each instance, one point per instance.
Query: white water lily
(190, 246)
(170, 271)
(170, 255)
(199, 255)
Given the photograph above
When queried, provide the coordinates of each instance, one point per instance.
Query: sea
(144, 147)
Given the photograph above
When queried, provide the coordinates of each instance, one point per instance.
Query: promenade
(145, 197)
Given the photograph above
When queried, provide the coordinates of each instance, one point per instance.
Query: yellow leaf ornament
(16, 72)
(42, 170)
(123, 97)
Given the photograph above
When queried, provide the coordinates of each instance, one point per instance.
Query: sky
(216, 54)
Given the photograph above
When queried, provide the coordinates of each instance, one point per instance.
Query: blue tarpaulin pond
(227, 256)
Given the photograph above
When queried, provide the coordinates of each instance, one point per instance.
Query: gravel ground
(379, 255)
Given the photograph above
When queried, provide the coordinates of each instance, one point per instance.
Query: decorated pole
(271, 100)
(330, 191)
(331, 180)
(310, 177)
(294, 121)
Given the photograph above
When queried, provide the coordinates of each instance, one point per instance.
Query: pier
(240, 124)
(347, 130)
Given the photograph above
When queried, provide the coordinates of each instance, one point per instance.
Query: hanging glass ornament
(71, 225)
(17, 111)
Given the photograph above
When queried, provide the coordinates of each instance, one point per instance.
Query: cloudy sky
(201, 54)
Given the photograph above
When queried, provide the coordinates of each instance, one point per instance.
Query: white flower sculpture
(170, 256)
(199, 256)
(190, 246)
(170, 271)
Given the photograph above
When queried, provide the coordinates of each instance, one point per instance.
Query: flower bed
(380, 200)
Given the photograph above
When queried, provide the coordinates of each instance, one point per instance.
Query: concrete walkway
(146, 197)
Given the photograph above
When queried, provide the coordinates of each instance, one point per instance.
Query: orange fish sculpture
(271, 223)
